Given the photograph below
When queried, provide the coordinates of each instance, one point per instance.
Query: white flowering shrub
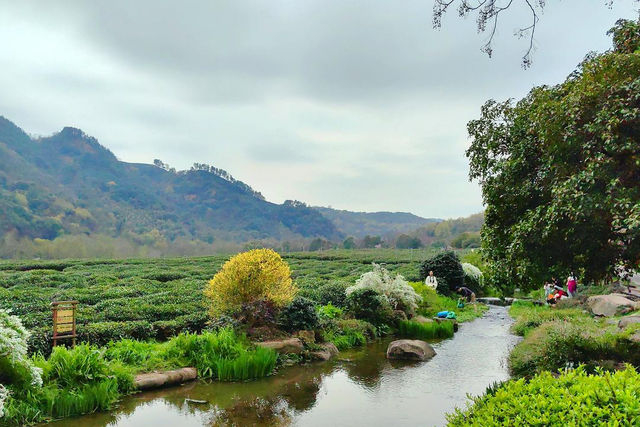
(399, 293)
(473, 274)
(13, 354)
(4, 393)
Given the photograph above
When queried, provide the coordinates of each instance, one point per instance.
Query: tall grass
(348, 339)
(427, 331)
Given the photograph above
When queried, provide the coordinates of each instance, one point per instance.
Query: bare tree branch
(488, 13)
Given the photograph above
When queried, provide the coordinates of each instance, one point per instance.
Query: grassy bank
(557, 338)
(433, 303)
(87, 378)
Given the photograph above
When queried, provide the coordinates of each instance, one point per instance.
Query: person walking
(572, 285)
(431, 281)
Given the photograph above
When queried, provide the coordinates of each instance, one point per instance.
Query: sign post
(64, 321)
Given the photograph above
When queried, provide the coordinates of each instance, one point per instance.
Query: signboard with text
(64, 321)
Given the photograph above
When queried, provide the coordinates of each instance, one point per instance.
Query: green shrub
(299, 315)
(574, 398)
(425, 331)
(446, 266)
(329, 312)
(369, 305)
(333, 293)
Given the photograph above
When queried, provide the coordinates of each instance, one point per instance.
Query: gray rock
(328, 351)
(629, 320)
(610, 305)
(410, 350)
(291, 345)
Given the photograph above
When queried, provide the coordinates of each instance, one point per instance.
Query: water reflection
(360, 388)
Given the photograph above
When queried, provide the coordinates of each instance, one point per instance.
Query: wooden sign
(64, 321)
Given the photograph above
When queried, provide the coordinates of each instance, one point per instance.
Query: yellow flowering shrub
(259, 274)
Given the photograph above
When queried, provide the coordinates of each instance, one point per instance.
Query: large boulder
(610, 305)
(410, 350)
(629, 320)
(161, 379)
(291, 345)
(326, 352)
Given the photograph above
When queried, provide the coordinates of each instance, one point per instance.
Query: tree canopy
(560, 171)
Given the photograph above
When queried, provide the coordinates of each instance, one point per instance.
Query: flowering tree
(250, 277)
(473, 274)
(396, 289)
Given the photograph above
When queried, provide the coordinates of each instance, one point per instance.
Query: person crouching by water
(431, 281)
(572, 285)
(467, 293)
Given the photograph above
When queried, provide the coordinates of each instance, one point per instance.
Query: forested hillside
(360, 224)
(69, 184)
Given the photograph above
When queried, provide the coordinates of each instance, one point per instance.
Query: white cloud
(360, 105)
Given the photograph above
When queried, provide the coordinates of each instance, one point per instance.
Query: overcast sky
(359, 105)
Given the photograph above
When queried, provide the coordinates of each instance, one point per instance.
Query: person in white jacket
(431, 281)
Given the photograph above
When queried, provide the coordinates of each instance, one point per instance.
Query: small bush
(299, 315)
(257, 313)
(259, 274)
(369, 305)
(329, 312)
(447, 266)
(333, 293)
(425, 331)
(573, 398)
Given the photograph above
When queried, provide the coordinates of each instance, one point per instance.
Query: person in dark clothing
(467, 293)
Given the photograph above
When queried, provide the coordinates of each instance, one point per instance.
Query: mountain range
(69, 184)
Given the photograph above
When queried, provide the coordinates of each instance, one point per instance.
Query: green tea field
(157, 298)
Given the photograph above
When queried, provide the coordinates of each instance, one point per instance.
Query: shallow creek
(360, 387)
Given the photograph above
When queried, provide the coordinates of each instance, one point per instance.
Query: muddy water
(360, 388)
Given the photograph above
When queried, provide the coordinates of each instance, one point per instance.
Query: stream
(360, 387)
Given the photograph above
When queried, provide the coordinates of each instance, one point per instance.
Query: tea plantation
(156, 298)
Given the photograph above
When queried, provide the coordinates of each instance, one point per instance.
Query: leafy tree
(259, 274)
(371, 241)
(560, 169)
(315, 245)
(349, 243)
(447, 268)
(466, 240)
(404, 241)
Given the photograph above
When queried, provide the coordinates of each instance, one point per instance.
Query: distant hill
(360, 224)
(69, 184)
